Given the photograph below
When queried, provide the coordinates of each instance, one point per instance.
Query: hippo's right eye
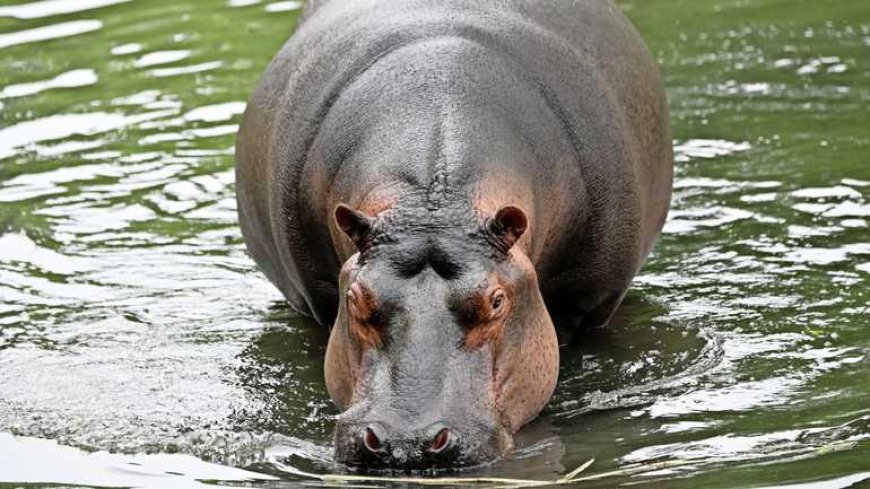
(375, 319)
(362, 309)
(354, 306)
(365, 321)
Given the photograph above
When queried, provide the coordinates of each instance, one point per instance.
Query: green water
(133, 322)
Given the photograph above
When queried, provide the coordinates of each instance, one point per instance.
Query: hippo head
(442, 347)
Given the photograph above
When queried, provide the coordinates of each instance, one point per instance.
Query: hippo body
(407, 153)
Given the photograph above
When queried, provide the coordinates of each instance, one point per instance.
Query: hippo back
(600, 201)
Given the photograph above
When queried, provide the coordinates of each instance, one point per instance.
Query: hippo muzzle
(420, 405)
(365, 440)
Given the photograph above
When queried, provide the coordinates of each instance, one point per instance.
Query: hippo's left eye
(483, 324)
(497, 300)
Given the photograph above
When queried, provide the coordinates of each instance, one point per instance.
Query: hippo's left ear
(356, 225)
(508, 225)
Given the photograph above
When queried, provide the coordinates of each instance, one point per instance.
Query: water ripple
(37, 34)
(47, 8)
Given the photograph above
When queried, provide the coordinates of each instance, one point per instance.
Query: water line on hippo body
(652, 470)
(568, 478)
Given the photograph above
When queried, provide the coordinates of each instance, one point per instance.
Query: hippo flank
(437, 180)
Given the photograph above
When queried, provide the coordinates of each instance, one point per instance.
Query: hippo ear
(356, 225)
(508, 225)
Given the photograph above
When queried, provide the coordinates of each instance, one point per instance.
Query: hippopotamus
(438, 181)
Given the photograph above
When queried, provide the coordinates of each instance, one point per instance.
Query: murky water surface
(140, 347)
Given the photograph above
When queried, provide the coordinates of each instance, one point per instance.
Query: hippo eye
(497, 301)
(365, 319)
(363, 309)
(351, 301)
(375, 319)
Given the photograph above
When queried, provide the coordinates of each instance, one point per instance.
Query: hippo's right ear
(356, 225)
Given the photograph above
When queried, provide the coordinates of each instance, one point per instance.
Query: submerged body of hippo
(437, 179)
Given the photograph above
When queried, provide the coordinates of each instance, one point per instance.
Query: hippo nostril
(440, 442)
(371, 441)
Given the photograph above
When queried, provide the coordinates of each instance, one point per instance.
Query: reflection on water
(133, 321)
(55, 31)
(282, 371)
(69, 79)
(69, 465)
(46, 8)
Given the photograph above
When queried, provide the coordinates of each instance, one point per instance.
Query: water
(140, 347)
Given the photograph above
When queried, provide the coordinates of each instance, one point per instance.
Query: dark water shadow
(281, 372)
(625, 364)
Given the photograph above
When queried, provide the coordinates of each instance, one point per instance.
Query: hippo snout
(377, 445)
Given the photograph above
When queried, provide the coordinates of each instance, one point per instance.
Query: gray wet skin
(437, 179)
